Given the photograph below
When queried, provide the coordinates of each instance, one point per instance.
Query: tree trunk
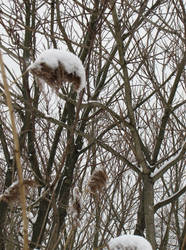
(140, 225)
(149, 210)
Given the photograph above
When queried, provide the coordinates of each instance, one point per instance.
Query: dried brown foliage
(12, 194)
(97, 180)
(55, 77)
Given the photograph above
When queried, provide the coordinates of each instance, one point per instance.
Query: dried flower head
(75, 206)
(12, 193)
(56, 67)
(55, 77)
(97, 180)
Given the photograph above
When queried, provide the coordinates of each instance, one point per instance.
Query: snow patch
(129, 242)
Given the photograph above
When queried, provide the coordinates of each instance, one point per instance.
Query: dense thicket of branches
(129, 122)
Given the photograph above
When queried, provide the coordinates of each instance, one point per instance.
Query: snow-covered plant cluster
(56, 67)
(129, 242)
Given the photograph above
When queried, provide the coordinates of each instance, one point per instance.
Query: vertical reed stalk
(17, 154)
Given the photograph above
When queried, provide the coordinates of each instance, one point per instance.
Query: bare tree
(129, 121)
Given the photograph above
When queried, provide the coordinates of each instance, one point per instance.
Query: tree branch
(171, 199)
(170, 163)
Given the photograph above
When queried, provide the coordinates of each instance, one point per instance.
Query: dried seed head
(55, 77)
(12, 193)
(75, 206)
(55, 67)
(97, 180)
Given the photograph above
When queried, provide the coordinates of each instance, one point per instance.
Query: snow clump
(129, 242)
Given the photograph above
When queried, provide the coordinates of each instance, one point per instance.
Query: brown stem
(17, 154)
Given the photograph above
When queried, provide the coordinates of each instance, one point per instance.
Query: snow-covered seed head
(97, 180)
(12, 193)
(56, 67)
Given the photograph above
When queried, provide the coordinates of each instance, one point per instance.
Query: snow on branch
(55, 67)
(129, 242)
(170, 199)
(173, 160)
